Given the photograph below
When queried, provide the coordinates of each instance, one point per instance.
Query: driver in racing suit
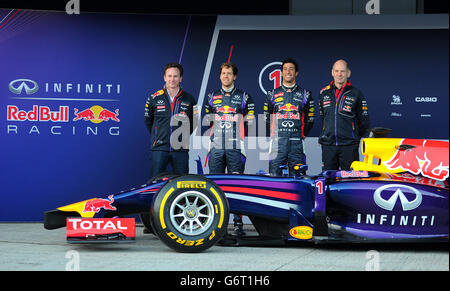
(229, 112)
(289, 116)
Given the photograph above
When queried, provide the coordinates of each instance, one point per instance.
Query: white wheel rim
(192, 213)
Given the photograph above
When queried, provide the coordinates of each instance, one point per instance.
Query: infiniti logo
(287, 123)
(389, 204)
(18, 85)
(225, 124)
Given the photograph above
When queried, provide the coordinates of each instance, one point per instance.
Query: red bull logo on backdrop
(56, 120)
(428, 158)
(31, 117)
(38, 113)
(96, 114)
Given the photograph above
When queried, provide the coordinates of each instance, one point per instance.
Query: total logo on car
(100, 229)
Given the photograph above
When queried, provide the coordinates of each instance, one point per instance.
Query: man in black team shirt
(345, 120)
(170, 117)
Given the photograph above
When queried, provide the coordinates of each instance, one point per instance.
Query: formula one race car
(399, 193)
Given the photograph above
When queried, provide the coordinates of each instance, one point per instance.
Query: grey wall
(328, 7)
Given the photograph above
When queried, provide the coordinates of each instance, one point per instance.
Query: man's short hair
(229, 65)
(174, 65)
(290, 61)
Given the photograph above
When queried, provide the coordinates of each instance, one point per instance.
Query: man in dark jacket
(345, 120)
(289, 116)
(170, 117)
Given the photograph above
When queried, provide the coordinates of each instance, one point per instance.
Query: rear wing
(426, 157)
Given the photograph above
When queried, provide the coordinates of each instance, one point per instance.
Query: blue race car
(380, 200)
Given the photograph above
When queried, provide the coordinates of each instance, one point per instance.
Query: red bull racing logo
(56, 121)
(96, 114)
(38, 113)
(426, 157)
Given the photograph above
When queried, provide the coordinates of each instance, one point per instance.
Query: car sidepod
(387, 210)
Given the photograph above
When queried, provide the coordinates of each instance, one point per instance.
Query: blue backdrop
(59, 68)
(395, 69)
(47, 164)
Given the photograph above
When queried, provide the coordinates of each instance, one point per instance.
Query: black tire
(145, 217)
(190, 214)
(146, 221)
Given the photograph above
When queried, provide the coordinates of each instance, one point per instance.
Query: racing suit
(229, 115)
(345, 119)
(170, 124)
(289, 116)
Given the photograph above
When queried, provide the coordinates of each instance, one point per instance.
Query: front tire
(190, 213)
(145, 217)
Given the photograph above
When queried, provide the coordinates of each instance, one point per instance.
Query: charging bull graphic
(418, 156)
(96, 204)
(288, 107)
(226, 109)
(106, 115)
(96, 114)
(86, 114)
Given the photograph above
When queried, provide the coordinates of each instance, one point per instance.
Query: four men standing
(171, 117)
